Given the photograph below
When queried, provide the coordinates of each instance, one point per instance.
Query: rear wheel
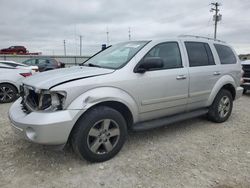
(222, 106)
(99, 134)
(8, 93)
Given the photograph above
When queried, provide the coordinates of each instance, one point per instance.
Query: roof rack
(194, 36)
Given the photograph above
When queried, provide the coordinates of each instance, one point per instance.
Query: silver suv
(135, 85)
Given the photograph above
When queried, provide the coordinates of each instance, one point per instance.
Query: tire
(222, 107)
(244, 91)
(89, 139)
(8, 93)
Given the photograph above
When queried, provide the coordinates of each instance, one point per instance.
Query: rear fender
(217, 87)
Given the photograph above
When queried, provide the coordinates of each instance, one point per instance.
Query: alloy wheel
(224, 106)
(103, 136)
(6, 94)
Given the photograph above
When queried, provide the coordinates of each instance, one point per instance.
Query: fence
(68, 60)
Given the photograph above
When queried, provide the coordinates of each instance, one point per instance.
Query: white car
(19, 65)
(10, 79)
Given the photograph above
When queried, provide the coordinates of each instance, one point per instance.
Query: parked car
(135, 85)
(19, 65)
(44, 64)
(14, 50)
(10, 79)
(246, 75)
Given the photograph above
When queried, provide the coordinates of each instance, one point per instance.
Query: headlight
(51, 100)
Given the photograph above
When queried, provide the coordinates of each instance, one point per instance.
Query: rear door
(203, 72)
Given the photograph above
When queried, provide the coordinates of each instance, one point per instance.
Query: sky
(42, 25)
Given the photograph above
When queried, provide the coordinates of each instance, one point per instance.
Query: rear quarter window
(225, 54)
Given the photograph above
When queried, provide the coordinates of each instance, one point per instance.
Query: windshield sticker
(132, 45)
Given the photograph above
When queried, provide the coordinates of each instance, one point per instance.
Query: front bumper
(239, 91)
(49, 128)
(246, 86)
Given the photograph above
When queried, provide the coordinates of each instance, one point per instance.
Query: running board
(146, 125)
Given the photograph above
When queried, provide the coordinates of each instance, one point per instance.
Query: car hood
(47, 80)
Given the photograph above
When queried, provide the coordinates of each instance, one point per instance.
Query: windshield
(117, 55)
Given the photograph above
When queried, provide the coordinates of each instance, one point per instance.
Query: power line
(217, 17)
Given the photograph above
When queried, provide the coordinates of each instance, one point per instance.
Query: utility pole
(80, 45)
(107, 33)
(129, 34)
(216, 17)
(64, 45)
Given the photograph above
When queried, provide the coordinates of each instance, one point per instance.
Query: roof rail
(194, 36)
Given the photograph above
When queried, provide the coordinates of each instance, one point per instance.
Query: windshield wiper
(93, 65)
(82, 64)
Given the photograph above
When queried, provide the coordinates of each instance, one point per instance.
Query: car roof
(6, 66)
(17, 63)
(7, 61)
(190, 38)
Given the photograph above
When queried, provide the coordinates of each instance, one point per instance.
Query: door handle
(216, 73)
(181, 77)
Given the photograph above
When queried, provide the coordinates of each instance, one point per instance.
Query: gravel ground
(194, 153)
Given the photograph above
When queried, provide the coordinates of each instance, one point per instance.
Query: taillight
(26, 74)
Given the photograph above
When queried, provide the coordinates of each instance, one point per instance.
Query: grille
(246, 69)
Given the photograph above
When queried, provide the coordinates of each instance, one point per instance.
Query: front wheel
(222, 106)
(99, 134)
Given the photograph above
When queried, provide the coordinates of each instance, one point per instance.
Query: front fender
(217, 87)
(104, 94)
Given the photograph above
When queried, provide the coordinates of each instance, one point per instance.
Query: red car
(14, 50)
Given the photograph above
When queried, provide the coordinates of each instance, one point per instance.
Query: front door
(164, 91)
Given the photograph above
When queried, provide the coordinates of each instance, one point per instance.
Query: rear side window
(199, 54)
(225, 53)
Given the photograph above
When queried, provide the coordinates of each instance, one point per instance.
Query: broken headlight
(51, 100)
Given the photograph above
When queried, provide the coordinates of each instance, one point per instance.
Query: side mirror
(149, 63)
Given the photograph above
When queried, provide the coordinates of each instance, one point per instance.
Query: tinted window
(225, 53)
(199, 54)
(30, 62)
(169, 53)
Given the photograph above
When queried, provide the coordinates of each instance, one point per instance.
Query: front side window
(169, 52)
(225, 53)
(199, 54)
(117, 55)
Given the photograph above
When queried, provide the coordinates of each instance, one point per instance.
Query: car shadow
(36, 155)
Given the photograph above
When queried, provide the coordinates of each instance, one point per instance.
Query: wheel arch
(12, 84)
(117, 105)
(107, 96)
(225, 82)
